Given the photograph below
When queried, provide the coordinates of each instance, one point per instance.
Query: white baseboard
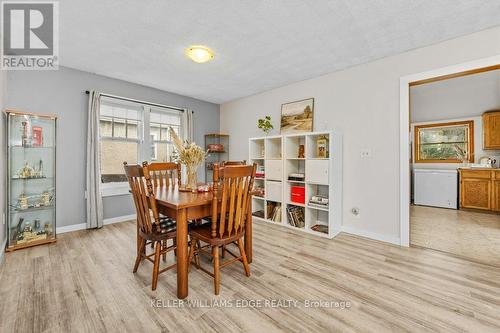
(69, 228)
(372, 235)
(83, 226)
(119, 219)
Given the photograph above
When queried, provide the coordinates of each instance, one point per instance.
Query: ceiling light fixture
(199, 53)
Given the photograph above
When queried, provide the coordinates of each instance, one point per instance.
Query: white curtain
(187, 122)
(93, 171)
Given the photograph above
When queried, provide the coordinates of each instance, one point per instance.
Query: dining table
(188, 206)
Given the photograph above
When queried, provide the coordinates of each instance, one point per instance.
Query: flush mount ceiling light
(199, 53)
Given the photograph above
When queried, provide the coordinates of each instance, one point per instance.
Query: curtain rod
(139, 101)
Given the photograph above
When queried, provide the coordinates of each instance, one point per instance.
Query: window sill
(114, 189)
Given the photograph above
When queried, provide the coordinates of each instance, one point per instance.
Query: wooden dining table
(186, 206)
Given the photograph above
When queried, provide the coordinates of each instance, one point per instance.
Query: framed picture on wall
(297, 116)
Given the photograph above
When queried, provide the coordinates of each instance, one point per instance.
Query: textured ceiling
(258, 45)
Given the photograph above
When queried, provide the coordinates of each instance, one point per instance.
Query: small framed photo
(297, 116)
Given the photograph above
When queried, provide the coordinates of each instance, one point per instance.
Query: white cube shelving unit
(279, 156)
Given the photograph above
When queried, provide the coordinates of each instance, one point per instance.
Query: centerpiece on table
(191, 156)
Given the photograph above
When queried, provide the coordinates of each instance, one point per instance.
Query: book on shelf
(296, 216)
(274, 211)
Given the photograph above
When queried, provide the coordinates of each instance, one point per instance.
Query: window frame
(143, 140)
(470, 142)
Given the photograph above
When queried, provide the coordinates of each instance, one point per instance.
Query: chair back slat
(232, 184)
(230, 163)
(164, 174)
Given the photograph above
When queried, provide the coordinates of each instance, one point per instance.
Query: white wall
(363, 102)
(466, 96)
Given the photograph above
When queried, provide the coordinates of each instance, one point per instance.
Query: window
(134, 132)
(445, 142)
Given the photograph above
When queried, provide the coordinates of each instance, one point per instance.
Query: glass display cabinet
(217, 146)
(31, 184)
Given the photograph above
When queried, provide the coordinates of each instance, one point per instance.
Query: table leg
(182, 254)
(248, 234)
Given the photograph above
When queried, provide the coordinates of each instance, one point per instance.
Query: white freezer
(435, 187)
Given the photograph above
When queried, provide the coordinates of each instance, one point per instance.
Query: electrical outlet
(366, 153)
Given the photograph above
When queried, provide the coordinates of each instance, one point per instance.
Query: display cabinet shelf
(31, 183)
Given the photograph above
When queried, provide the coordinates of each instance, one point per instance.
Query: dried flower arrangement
(191, 155)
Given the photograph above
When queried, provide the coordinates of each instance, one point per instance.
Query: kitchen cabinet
(480, 189)
(496, 191)
(491, 130)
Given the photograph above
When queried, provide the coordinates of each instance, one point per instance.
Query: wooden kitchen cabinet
(491, 130)
(496, 191)
(480, 189)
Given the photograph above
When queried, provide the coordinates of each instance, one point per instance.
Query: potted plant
(265, 124)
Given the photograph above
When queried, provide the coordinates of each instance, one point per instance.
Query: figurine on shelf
(301, 151)
(23, 202)
(26, 171)
(45, 199)
(26, 138)
(36, 224)
(47, 228)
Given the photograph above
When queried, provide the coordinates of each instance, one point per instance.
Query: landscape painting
(297, 116)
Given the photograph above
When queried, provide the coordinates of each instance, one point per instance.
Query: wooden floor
(84, 283)
(472, 235)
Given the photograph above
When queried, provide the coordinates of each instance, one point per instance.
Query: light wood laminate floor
(84, 283)
(472, 235)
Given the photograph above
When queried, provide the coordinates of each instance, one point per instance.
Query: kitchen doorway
(453, 204)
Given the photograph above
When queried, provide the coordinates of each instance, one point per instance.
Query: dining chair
(230, 201)
(165, 174)
(151, 228)
(229, 163)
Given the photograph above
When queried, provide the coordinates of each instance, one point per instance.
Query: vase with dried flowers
(191, 156)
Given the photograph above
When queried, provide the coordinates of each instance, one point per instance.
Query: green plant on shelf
(265, 124)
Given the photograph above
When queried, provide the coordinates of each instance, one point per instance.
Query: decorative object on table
(22, 202)
(217, 146)
(297, 116)
(191, 156)
(301, 151)
(31, 179)
(265, 124)
(37, 137)
(26, 138)
(322, 147)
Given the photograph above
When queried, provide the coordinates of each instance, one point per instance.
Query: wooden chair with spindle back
(229, 163)
(152, 229)
(230, 201)
(165, 174)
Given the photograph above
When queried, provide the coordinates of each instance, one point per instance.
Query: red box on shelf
(298, 194)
